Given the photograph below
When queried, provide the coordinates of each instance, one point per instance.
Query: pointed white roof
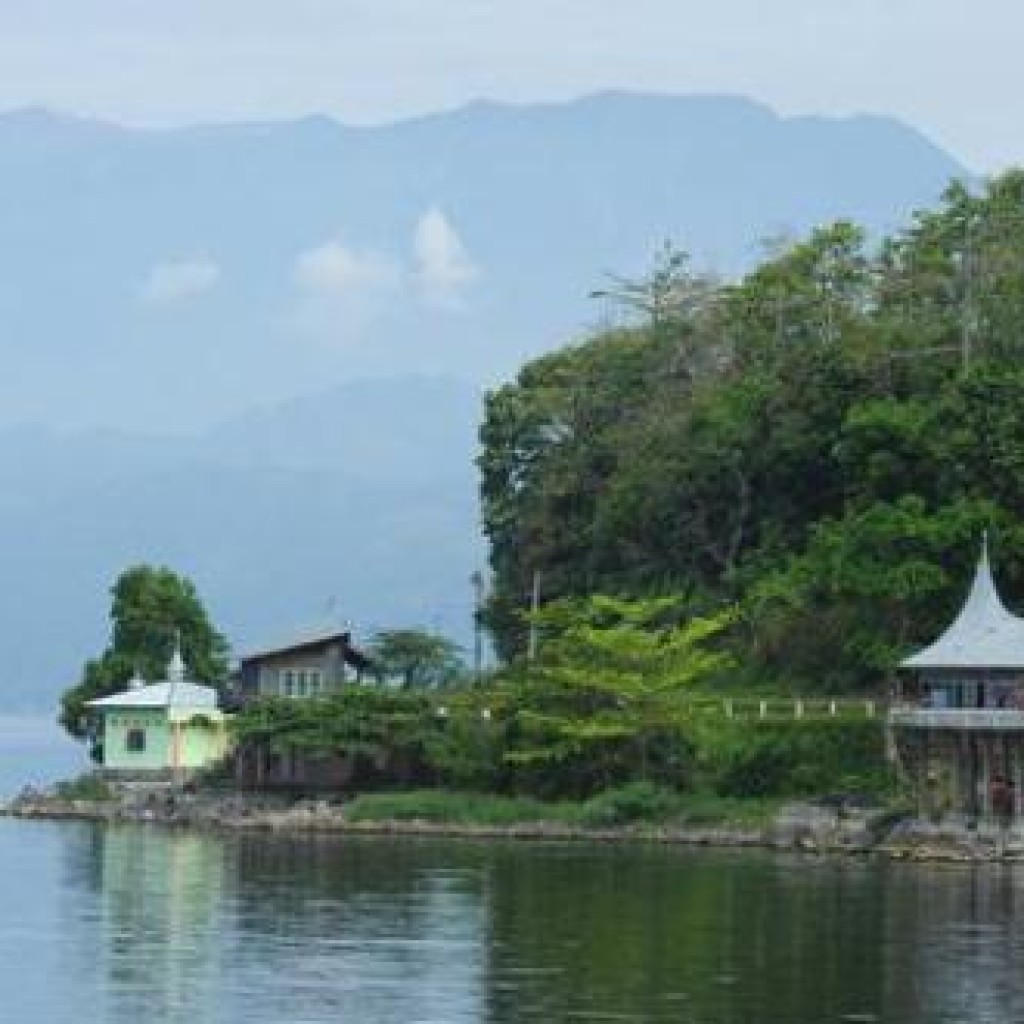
(161, 695)
(983, 635)
(176, 669)
(174, 692)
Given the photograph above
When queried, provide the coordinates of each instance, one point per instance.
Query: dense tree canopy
(151, 610)
(821, 442)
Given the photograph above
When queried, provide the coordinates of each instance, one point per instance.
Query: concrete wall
(118, 723)
(204, 741)
(196, 738)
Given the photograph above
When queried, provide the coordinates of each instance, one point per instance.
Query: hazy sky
(949, 67)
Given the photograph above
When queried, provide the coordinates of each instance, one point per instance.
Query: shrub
(88, 786)
(800, 759)
(638, 801)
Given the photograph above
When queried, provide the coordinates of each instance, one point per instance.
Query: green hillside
(821, 443)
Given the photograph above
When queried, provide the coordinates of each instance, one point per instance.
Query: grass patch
(443, 806)
(703, 809)
(636, 804)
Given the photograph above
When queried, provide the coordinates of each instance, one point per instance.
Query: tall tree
(605, 700)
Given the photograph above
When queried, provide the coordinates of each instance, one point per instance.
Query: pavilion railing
(986, 719)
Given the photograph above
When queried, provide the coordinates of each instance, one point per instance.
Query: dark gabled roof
(984, 634)
(311, 639)
(298, 642)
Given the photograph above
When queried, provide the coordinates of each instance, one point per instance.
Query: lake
(122, 924)
(35, 750)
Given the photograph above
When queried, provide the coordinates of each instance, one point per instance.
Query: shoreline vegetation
(633, 814)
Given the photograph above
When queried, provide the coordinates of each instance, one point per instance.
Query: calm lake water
(127, 924)
(34, 750)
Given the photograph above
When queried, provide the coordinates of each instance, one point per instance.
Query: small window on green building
(135, 740)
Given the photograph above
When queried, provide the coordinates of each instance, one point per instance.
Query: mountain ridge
(159, 287)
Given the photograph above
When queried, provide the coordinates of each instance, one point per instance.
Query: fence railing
(779, 709)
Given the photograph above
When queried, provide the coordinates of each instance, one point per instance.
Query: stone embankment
(811, 827)
(808, 827)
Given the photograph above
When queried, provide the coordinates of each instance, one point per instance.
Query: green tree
(606, 701)
(419, 658)
(868, 588)
(152, 609)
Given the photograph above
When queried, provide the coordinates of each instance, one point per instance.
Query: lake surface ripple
(122, 924)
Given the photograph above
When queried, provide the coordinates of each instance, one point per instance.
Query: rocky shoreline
(806, 827)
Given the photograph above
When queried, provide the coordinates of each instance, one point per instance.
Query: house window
(135, 740)
(301, 682)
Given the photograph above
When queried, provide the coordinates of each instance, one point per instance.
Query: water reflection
(196, 928)
(151, 925)
(160, 897)
(360, 931)
(669, 935)
(960, 932)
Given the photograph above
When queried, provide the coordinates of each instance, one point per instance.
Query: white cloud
(176, 280)
(343, 293)
(335, 270)
(444, 269)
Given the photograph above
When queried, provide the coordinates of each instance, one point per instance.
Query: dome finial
(176, 668)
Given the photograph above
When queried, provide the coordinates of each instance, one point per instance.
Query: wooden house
(310, 666)
(315, 664)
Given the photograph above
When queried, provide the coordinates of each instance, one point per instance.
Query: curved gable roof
(984, 635)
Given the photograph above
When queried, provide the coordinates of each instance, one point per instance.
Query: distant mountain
(256, 352)
(332, 509)
(405, 429)
(161, 279)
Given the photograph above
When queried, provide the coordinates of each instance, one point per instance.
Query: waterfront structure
(957, 729)
(171, 727)
(314, 664)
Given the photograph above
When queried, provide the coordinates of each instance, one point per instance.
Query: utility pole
(531, 649)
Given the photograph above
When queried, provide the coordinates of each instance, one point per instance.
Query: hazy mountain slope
(279, 533)
(270, 340)
(101, 228)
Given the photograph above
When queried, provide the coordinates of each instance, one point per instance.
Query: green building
(170, 727)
